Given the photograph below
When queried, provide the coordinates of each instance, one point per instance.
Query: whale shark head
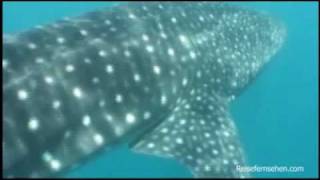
(237, 44)
(158, 76)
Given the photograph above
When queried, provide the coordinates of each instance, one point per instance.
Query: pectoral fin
(200, 134)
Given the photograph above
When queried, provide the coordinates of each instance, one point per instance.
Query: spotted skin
(163, 72)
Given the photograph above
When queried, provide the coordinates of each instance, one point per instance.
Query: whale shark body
(159, 76)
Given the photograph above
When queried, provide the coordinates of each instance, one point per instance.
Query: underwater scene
(160, 89)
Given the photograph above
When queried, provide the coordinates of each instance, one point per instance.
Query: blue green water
(277, 115)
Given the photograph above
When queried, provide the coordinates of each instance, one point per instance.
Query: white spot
(144, 8)
(167, 138)
(165, 148)
(102, 53)
(130, 118)
(56, 104)
(212, 142)
(132, 16)
(171, 119)
(182, 121)
(39, 60)
(32, 46)
(172, 73)
(33, 124)
(109, 69)
(160, 26)
(183, 59)
(46, 156)
(118, 130)
(5, 63)
(113, 29)
(225, 48)
(164, 130)
(146, 115)
(86, 120)
(137, 77)
(171, 52)
(145, 37)
(234, 84)
(192, 55)
(192, 92)
(207, 135)
(39, 27)
(151, 145)
(49, 80)
(150, 48)
(127, 53)
(83, 32)
(114, 50)
(174, 20)
(184, 40)
(226, 133)
(69, 68)
(219, 60)
(201, 18)
(102, 103)
(87, 61)
(98, 139)
(179, 141)
(107, 22)
(60, 40)
(236, 74)
(55, 164)
(108, 117)
(207, 168)
(67, 134)
(184, 81)
(231, 147)
(164, 99)
(232, 97)
(163, 35)
(23, 94)
(215, 152)
(77, 92)
(95, 80)
(156, 69)
(119, 98)
(199, 150)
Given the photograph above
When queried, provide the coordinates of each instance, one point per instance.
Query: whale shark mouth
(159, 76)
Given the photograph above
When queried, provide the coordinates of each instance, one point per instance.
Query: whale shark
(158, 76)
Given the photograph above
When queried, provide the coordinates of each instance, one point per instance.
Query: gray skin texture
(158, 76)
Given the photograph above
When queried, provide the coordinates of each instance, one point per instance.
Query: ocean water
(277, 115)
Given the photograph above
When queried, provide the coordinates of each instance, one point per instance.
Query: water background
(277, 116)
